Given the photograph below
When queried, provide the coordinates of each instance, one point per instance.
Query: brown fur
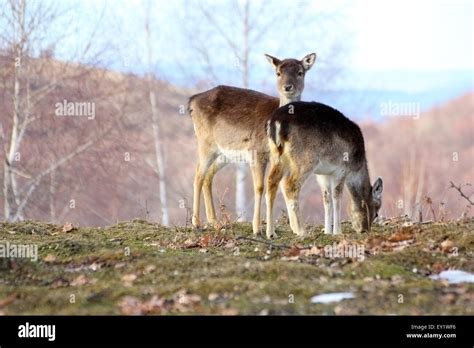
(315, 138)
(229, 119)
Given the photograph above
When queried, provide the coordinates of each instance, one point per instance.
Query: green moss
(242, 276)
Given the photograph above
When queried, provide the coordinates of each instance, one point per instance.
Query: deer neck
(360, 190)
(286, 100)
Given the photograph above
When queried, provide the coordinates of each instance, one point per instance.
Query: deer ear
(308, 61)
(377, 188)
(273, 61)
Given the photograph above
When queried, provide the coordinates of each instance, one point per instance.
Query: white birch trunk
(240, 183)
(9, 187)
(160, 162)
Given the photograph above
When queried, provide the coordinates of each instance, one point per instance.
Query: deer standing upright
(229, 122)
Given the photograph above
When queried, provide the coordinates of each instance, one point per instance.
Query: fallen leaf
(7, 300)
(292, 252)
(128, 279)
(130, 305)
(205, 240)
(229, 311)
(313, 251)
(120, 265)
(229, 244)
(60, 283)
(438, 267)
(447, 246)
(49, 258)
(67, 227)
(375, 242)
(189, 243)
(344, 310)
(212, 296)
(154, 305)
(184, 298)
(401, 235)
(400, 245)
(149, 269)
(82, 280)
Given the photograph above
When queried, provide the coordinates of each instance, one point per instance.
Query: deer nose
(288, 88)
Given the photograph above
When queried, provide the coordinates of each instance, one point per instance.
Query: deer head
(366, 210)
(290, 76)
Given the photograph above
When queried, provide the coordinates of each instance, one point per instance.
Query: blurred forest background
(388, 65)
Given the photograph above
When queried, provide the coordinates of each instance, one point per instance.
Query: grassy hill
(142, 268)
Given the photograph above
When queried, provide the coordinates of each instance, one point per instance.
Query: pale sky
(412, 34)
(384, 34)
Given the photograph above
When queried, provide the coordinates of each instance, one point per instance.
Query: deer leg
(273, 180)
(258, 175)
(197, 195)
(202, 168)
(207, 190)
(324, 182)
(337, 187)
(291, 186)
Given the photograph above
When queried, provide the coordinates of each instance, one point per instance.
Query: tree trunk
(160, 162)
(8, 180)
(52, 193)
(240, 198)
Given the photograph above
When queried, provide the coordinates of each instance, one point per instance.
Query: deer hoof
(271, 235)
(195, 222)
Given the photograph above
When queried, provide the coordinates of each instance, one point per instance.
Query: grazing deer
(229, 122)
(307, 138)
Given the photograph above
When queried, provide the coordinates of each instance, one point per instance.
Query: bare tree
(24, 26)
(160, 162)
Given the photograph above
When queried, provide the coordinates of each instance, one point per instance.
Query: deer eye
(278, 74)
(300, 73)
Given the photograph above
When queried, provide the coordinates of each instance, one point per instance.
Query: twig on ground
(280, 246)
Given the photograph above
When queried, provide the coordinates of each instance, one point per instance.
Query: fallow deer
(230, 121)
(307, 138)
